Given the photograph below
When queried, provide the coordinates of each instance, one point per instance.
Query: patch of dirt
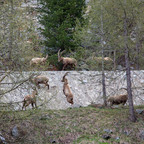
(68, 138)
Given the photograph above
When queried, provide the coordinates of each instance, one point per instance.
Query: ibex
(119, 99)
(37, 60)
(41, 80)
(66, 60)
(30, 99)
(106, 59)
(66, 90)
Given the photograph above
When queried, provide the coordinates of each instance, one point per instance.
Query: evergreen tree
(59, 20)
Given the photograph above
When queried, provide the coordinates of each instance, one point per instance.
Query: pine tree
(58, 18)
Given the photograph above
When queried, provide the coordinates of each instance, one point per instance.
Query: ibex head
(70, 99)
(35, 90)
(63, 80)
(60, 54)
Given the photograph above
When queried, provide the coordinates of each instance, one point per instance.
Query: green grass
(74, 126)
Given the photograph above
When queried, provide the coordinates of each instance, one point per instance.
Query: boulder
(139, 111)
(2, 139)
(106, 136)
(17, 132)
(108, 131)
(142, 135)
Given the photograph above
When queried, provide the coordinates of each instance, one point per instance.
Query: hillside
(87, 125)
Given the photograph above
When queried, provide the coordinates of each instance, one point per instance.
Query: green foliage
(89, 139)
(59, 20)
(79, 53)
(112, 14)
(19, 41)
(53, 59)
(95, 64)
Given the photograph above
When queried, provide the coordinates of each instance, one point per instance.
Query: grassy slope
(78, 125)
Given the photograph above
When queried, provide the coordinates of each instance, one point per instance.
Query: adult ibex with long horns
(66, 89)
(66, 60)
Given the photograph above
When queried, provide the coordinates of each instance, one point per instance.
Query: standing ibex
(41, 80)
(30, 99)
(66, 60)
(119, 99)
(66, 90)
(37, 60)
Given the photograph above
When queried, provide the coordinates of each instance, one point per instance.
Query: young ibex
(30, 99)
(66, 60)
(41, 80)
(119, 99)
(37, 60)
(66, 90)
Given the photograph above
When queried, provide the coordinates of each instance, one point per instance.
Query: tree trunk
(137, 49)
(128, 74)
(11, 32)
(103, 73)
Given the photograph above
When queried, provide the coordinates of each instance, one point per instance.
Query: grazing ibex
(30, 99)
(99, 59)
(66, 60)
(119, 99)
(37, 60)
(41, 80)
(108, 59)
(66, 89)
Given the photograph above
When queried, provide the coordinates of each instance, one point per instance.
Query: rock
(117, 138)
(119, 67)
(87, 1)
(45, 117)
(115, 106)
(17, 131)
(81, 63)
(53, 141)
(76, 105)
(126, 132)
(142, 135)
(108, 131)
(84, 81)
(2, 140)
(105, 136)
(85, 69)
(22, 59)
(139, 111)
(132, 68)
